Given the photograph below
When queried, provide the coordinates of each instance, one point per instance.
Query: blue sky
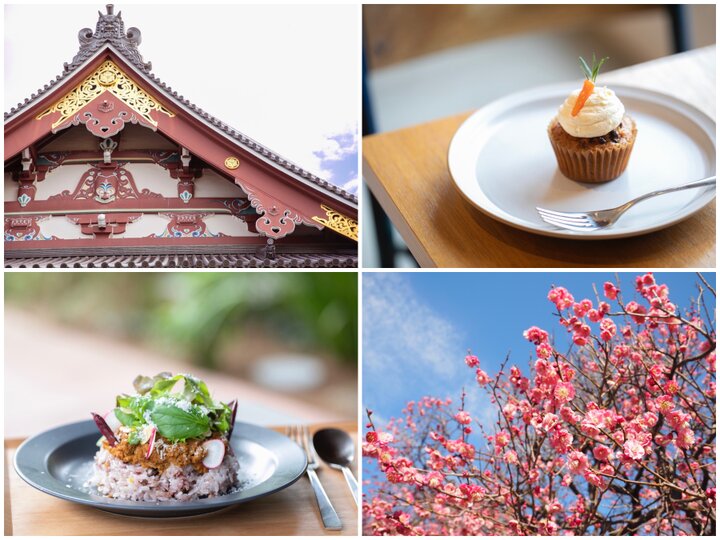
(339, 159)
(418, 326)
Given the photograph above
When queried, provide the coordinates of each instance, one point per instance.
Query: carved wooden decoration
(103, 225)
(275, 220)
(47, 162)
(186, 226)
(338, 223)
(186, 185)
(24, 229)
(26, 188)
(123, 100)
(105, 183)
(239, 207)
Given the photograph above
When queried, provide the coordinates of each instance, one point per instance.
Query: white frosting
(601, 113)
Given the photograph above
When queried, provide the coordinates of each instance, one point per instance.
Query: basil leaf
(177, 424)
(126, 417)
(164, 386)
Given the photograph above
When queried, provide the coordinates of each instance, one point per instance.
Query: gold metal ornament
(232, 163)
(107, 78)
(338, 223)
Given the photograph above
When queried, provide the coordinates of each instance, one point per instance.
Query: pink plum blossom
(472, 360)
(610, 290)
(633, 449)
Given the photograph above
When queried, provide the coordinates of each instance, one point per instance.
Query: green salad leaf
(131, 410)
(127, 417)
(175, 423)
(178, 415)
(144, 384)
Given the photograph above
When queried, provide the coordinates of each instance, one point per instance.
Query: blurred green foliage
(195, 312)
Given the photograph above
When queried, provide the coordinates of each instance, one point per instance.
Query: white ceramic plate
(501, 160)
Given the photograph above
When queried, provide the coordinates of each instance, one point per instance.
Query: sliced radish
(112, 421)
(214, 453)
(147, 432)
(151, 438)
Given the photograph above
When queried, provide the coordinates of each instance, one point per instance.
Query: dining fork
(301, 436)
(594, 220)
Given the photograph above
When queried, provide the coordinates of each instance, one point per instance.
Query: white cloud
(337, 146)
(351, 186)
(402, 334)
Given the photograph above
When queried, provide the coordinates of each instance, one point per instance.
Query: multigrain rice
(119, 480)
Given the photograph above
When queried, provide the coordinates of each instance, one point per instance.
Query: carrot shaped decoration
(588, 83)
(587, 90)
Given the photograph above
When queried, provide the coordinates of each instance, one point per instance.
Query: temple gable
(107, 160)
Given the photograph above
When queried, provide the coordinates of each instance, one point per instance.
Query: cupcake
(591, 135)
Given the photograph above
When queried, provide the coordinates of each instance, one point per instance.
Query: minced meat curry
(164, 454)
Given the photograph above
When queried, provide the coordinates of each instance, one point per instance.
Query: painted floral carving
(185, 186)
(186, 226)
(275, 219)
(338, 222)
(24, 228)
(105, 183)
(108, 118)
(110, 83)
(26, 188)
(105, 127)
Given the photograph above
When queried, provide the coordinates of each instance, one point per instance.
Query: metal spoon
(337, 449)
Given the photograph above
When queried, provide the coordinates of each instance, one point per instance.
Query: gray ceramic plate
(59, 461)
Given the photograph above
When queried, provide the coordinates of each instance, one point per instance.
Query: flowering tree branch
(615, 436)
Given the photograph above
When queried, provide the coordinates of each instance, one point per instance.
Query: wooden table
(290, 512)
(408, 173)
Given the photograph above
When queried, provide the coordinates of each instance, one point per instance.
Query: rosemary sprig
(591, 74)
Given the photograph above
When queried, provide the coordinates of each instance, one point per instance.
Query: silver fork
(594, 220)
(330, 518)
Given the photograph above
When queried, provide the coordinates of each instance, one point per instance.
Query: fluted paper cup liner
(597, 164)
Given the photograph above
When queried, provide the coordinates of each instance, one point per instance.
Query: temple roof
(110, 33)
(210, 260)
